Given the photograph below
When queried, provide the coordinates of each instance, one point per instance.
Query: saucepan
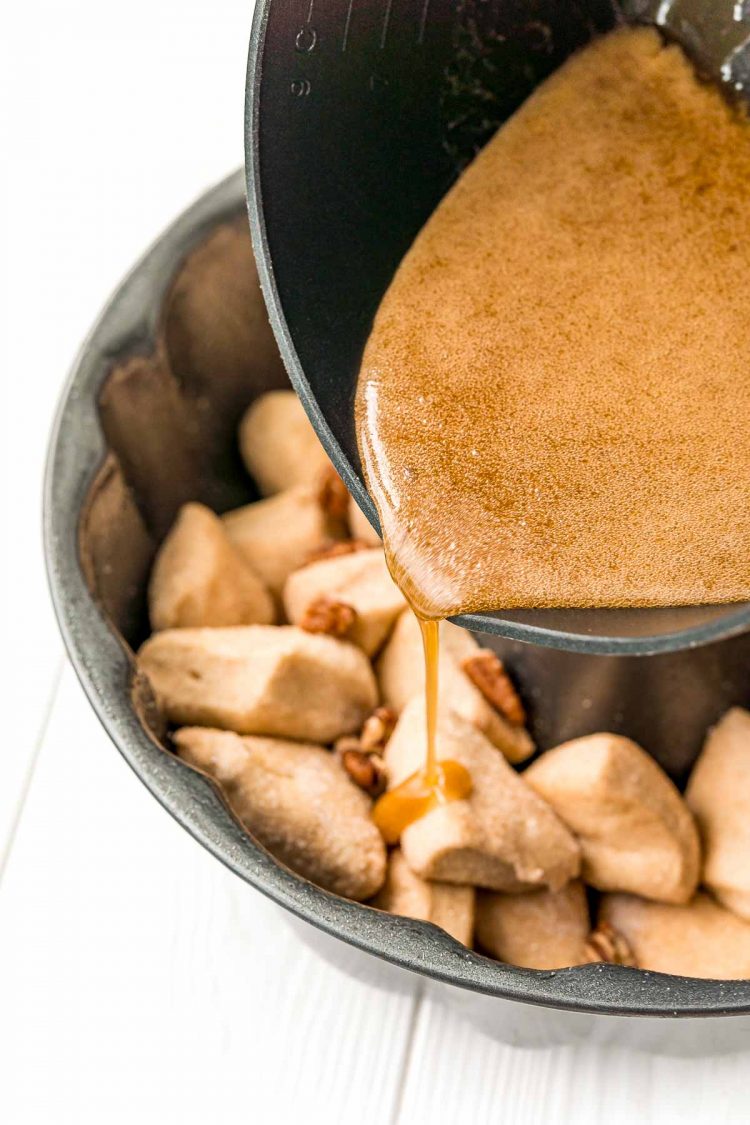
(147, 421)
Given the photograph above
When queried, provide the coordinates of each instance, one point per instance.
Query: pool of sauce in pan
(553, 404)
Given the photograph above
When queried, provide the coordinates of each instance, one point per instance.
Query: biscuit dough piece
(719, 795)
(536, 930)
(297, 801)
(501, 837)
(401, 675)
(199, 578)
(445, 905)
(278, 445)
(257, 679)
(278, 535)
(636, 832)
(700, 939)
(360, 580)
(360, 527)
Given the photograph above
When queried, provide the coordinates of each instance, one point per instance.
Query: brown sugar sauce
(552, 407)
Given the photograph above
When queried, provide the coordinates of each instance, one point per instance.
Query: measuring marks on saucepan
(308, 38)
(421, 12)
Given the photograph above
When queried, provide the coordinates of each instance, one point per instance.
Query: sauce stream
(438, 781)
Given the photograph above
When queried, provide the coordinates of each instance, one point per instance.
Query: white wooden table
(139, 980)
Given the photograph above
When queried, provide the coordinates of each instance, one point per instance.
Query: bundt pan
(148, 421)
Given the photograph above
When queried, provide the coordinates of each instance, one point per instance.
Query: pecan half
(336, 550)
(366, 770)
(327, 615)
(346, 742)
(377, 729)
(487, 672)
(372, 739)
(332, 495)
(606, 944)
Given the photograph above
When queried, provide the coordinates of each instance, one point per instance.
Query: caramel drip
(438, 782)
(431, 644)
(418, 795)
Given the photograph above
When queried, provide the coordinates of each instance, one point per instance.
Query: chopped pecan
(377, 729)
(487, 672)
(337, 549)
(333, 496)
(366, 770)
(327, 615)
(346, 742)
(606, 944)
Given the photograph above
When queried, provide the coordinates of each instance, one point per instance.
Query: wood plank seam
(407, 1059)
(28, 778)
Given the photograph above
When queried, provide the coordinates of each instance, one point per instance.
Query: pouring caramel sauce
(438, 781)
(553, 404)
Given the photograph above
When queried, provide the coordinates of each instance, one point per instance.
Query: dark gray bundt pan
(147, 421)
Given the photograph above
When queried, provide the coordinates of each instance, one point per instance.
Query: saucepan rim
(77, 451)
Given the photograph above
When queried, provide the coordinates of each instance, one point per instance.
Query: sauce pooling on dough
(439, 781)
(553, 404)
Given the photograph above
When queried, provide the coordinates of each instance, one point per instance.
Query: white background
(140, 981)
